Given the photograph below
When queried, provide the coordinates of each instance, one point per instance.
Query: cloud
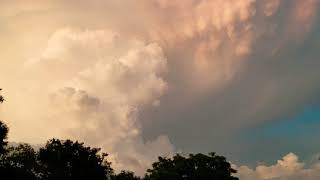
(208, 38)
(269, 7)
(240, 57)
(210, 67)
(288, 168)
(91, 85)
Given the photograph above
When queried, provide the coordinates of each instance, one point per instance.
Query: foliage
(73, 160)
(194, 167)
(19, 163)
(125, 175)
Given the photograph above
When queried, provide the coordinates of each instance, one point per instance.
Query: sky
(155, 77)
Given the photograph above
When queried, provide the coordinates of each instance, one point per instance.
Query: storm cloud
(148, 78)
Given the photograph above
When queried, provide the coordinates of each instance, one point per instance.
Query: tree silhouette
(194, 167)
(125, 175)
(72, 160)
(20, 163)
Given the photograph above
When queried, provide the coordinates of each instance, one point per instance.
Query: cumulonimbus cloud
(235, 63)
(96, 83)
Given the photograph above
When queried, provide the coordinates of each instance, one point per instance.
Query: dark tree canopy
(20, 163)
(194, 167)
(72, 160)
(125, 175)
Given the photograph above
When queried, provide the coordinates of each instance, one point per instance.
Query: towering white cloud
(92, 85)
(288, 168)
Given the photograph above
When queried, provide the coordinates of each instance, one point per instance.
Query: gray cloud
(276, 80)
